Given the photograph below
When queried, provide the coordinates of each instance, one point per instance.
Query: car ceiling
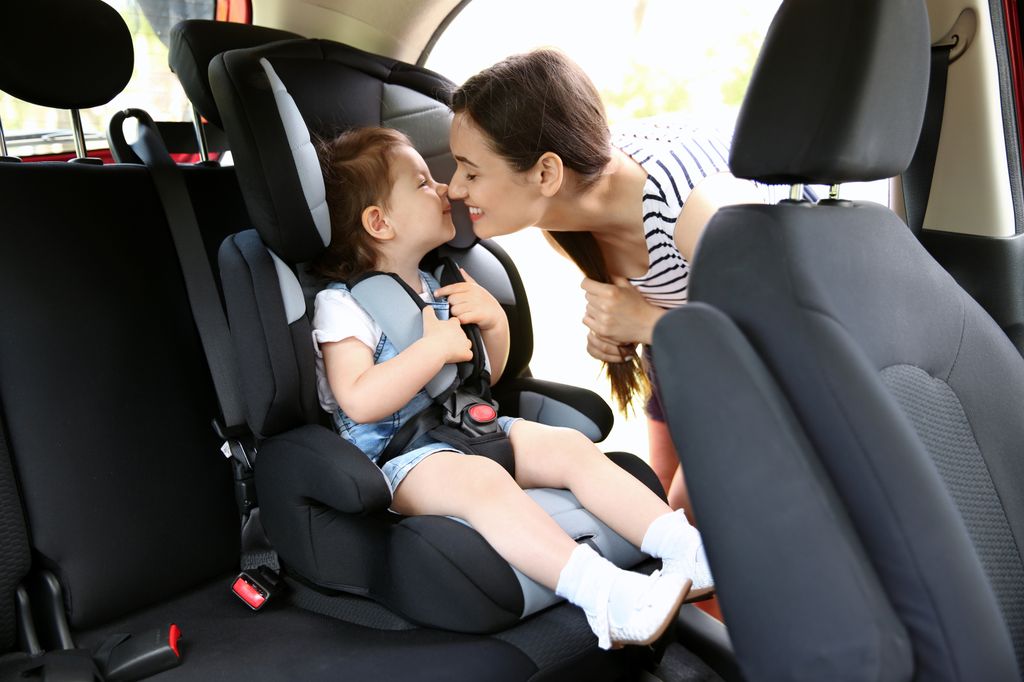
(401, 29)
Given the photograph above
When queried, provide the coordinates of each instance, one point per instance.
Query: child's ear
(376, 223)
(549, 173)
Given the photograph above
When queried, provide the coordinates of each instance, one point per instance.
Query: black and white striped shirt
(676, 159)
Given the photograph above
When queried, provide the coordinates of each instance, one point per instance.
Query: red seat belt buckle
(256, 587)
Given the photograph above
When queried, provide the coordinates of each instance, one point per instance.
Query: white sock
(672, 539)
(600, 588)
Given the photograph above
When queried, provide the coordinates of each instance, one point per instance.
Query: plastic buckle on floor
(125, 658)
(256, 587)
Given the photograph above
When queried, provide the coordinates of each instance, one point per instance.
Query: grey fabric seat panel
(810, 606)
(822, 271)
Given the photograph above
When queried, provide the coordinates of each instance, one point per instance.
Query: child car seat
(323, 502)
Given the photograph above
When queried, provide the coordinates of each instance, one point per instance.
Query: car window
(33, 130)
(674, 58)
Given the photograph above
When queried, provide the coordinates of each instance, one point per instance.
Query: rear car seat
(107, 404)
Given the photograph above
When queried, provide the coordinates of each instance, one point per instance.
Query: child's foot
(695, 568)
(639, 608)
(679, 546)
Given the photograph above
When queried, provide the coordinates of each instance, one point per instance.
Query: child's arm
(473, 304)
(367, 392)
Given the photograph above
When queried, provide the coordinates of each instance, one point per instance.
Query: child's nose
(442, 190)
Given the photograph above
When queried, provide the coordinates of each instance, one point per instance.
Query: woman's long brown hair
(628, 378)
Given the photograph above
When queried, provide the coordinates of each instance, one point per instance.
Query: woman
(534, 149)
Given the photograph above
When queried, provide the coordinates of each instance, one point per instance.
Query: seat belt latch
(126, 658)
(256, 587)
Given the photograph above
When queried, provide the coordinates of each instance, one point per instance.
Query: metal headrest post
(3, 141)
(76, 128)
(197, 121)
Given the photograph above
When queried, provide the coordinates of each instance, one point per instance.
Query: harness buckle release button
(481, 414)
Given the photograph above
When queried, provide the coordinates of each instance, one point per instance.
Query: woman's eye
(470, 177)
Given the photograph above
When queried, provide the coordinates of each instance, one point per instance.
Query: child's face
(418, 207)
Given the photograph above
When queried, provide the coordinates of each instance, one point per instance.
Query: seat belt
(917, 179)
(211, 322)
(463, 412)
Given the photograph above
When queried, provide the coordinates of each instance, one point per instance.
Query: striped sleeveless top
(676, 158)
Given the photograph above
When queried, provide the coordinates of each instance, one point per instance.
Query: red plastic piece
(482, 414)
(172, 640)
(248, 593)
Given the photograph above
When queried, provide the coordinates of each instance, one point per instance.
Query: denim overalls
(373, 437)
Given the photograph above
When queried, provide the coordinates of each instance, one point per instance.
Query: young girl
(386, 213)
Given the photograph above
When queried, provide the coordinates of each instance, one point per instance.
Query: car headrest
(837, 94)
(194, 42)
(65, 54)
(275, 99)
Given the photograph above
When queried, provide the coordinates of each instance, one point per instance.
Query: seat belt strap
(917, 179)
(211, 322)
(207, 309)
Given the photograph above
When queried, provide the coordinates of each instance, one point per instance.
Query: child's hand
(473, 304)
(448, 337)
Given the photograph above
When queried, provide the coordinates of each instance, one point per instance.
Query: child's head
(380, 196)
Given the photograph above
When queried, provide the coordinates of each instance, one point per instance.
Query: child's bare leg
(564, 458)
(552, 457)
(478, 490)
(621, 607)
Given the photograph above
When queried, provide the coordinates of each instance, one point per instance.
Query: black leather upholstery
(837, 94)
(34, 60)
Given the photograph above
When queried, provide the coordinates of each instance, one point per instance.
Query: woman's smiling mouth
(475, 213)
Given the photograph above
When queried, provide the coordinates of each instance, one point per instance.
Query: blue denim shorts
(396, 469)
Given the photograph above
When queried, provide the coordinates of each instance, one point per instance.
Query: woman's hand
(606, 351)
(617, 314)
(447, 337)
(473, 304)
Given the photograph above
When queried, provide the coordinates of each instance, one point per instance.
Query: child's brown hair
(357, 173)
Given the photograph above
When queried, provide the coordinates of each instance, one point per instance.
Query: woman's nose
(456, 190)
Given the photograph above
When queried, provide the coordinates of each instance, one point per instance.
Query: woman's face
(500, 199)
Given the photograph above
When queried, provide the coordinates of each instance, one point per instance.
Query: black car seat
(909, 395)
(323, 503)
(107, 403)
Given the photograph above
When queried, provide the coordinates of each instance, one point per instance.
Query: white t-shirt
(336, 317)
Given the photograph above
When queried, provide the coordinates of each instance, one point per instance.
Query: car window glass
(32, 130)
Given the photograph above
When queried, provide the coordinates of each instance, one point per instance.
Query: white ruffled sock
(672, 539)
(608, 595)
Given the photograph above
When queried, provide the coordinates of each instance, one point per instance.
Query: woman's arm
(710, 194)
(367, 392)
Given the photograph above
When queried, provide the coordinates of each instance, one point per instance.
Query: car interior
(843, 390)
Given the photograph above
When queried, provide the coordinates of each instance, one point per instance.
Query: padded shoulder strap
(395, 307)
